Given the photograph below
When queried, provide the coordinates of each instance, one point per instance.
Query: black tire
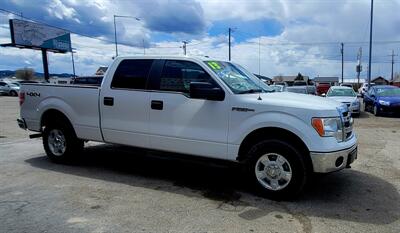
(295, 159)
(375, 111)
(13, 93)
(73, 145)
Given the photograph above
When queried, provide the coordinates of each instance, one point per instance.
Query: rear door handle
(157, 104)
(108, 101)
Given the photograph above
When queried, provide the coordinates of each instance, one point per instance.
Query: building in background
(380, 81)
(289, 79)
(101, 70)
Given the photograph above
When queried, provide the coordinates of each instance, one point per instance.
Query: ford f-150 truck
(197, 107)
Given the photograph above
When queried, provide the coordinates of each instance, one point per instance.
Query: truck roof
(177, 57)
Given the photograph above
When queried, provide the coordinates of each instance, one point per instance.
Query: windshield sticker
(214, 65)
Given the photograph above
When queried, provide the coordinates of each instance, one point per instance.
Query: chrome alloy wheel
(56, 142)
(273, 171)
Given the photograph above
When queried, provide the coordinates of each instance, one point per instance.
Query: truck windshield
(238, 79)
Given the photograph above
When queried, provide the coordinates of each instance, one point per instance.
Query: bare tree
(25, 74)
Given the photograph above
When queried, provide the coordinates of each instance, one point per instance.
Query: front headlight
(386, 103)
(355, 103)
(329, 127)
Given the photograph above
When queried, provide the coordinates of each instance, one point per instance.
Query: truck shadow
(348, 195)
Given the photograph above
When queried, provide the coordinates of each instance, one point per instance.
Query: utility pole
(115, 38)
(184, 47)
(73, 62)
(341, 51)
(359, 66)
(370, 44)
(393, 55)
(229, 43)
(144, 48)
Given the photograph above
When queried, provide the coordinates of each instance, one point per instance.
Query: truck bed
(79, 103)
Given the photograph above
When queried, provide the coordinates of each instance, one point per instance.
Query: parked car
(278, 88)
(364, 88)
(196, 107)
(9, 88)
(281, 83)
(299, 89)
(322, 88)
(346, 85)
(311, 89)
(382, 99)
(345, 95)
(88, 80)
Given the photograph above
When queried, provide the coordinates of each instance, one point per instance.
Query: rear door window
(132, 74)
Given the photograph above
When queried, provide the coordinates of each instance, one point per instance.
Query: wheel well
(273, 133)
(52, 116)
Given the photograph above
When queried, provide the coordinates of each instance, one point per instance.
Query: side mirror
(323, 95)
(205, 90)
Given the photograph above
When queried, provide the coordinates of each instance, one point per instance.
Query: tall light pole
(115, 29)
(73, 61)
(342, 52)
(370, 44)
(184, 46)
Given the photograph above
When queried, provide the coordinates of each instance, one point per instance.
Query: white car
(200, 108)
(9, 88)
(345, 95)
(364, 88)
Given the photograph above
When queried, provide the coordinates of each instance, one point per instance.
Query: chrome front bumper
(324, 162)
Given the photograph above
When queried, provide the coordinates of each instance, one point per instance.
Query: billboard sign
(34, 35)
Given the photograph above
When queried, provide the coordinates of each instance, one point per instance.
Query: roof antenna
(259, 67)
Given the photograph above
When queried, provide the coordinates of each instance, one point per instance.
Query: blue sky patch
(247, 29)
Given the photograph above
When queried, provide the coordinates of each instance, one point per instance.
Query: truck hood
(294, 100)
(343, 99)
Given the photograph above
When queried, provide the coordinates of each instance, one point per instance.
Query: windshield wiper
(250, 91)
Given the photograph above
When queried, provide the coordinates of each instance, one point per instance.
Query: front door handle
(157, 104)
(108, 101)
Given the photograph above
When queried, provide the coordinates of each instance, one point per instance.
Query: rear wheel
(277, 169)
(60, 142)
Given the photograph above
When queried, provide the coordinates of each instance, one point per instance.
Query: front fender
(294, 124)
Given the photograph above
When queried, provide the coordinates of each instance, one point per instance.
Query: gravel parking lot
(117, 189)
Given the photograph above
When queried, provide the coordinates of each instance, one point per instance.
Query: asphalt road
(118, 189)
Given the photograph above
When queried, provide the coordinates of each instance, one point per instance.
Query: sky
(269, 37)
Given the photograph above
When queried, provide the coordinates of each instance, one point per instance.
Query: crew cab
(196, 107)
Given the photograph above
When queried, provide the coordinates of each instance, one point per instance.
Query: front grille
(347, 124)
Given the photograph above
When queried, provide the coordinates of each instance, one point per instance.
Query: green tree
(299, 77)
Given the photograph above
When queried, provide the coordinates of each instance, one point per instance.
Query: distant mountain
(10, 73)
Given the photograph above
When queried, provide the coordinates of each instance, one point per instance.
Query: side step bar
(36, 135)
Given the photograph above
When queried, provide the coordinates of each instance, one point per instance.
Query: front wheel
(277, 169)
(60, 142)
(13, 93)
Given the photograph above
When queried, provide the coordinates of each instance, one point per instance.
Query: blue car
(382, 99)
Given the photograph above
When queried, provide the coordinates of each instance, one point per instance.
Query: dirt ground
(117, 189)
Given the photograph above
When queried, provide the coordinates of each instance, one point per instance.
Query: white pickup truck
(197, 107)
